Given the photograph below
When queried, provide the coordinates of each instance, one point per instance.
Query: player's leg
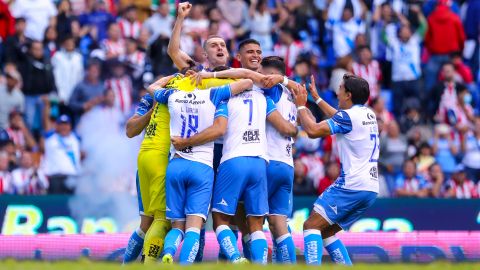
(135, 242)
(201, 245)
(256, 207)
(173, 239)
(226, 192)
(199, 193)
(280, 184)
(240, 221)
(334, 246)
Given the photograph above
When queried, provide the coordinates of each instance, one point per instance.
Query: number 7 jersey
(246, 136)
(358, 147)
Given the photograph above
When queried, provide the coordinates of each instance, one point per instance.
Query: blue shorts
(139, 195)
(189, 189)
(280, 184)
(343, 206)
(241, 178)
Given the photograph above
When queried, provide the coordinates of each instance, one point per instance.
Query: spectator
(129, 24)
(262, 25)
(463, 73)
(411, 116)
(136, 59)
(67, 69)
(382, 21)
(344, 65)
(6, 185)
(16, 45)
(121, 84)
(62, 155)
(345, 32)
(114, 45)
(195, 27)
(38, 15)
(98, 18)
(471, 152)
(368, 69)
(406, 71)
(288, 48)
(64, 20)
(444, 93)
(472, 31)
(11, 97)
(393, 150)
(38, 80)
(331, 174)
(425, 158)
(7, 22)
(459, 186)
(301, 186)
(28, 179)
(160, 24)
(50, 45)
(445, 145)
(378, 106)
(436, 178)
(88, 93)
(19, 134)
(409, 184)
(236, 13)
(444, 36)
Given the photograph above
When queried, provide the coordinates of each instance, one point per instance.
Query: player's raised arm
(137, 123)
(308, 122)
(240, 86)
(279, 123)
(160, 83)
(233, 73)
(179, 57)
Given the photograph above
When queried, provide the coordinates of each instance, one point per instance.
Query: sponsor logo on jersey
(251, 136)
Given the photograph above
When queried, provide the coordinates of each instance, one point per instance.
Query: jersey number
(250, 109)
(189, 125)
(373, 137)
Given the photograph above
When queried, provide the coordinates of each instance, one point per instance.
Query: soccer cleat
(167, 259)
(241, 260)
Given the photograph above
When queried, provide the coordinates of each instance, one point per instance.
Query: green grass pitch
(89, 265)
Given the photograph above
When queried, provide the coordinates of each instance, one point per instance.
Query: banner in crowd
(30, 215)
(381, 247)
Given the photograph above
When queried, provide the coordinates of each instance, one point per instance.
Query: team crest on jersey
(288, 148)
(251, 136)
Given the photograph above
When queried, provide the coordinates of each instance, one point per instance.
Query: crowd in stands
(61, 59)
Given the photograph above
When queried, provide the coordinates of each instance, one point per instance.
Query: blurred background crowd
(65, 63)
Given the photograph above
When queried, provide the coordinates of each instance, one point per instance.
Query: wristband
(319, 99)
(301, 108)
(215, 74)
(285, 81)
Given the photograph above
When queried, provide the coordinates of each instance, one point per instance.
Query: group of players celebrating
(220, 140)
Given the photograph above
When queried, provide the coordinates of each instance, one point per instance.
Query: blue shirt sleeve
(222, 110)
(340, 123)
(219, 94)
(270, 106)
(162, 95)
(146, 103)
(275, 93)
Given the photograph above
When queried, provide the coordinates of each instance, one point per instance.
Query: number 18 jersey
(358, 147)
(245, 136)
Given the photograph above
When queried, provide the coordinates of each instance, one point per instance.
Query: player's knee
(310, 224)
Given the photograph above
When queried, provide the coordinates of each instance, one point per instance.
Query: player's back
(245, 135)
(358, 149)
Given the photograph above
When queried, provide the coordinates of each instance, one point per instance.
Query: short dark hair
(208, 38)
(358, 87)
(363, 47)
(245, 42)
(275, 62)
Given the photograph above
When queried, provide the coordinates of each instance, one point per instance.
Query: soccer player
(200, 117)
(356, 189)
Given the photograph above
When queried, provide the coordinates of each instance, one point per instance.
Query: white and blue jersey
(189, 177)
(242, 170)
(357, 186)
(280, 168)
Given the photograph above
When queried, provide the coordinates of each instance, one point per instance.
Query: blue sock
(286, 249)
(199, 257)
(221, 256)
(336, 249)
(228, 243)
(190, 246)
(246, 242)
(172, 241)
(313, 247)
(134, 247)
(259, 247)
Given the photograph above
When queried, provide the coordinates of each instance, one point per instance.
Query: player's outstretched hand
(197, 77)
(300, 95)
(184, 9)
(179, 143)
(270, 80)
(313, 88)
